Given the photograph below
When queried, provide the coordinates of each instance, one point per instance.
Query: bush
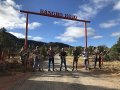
(114, 53)
(107, 57)
(2, 67)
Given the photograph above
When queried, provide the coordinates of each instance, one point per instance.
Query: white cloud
(34, 25)
(97, 37)
(110, 23)
(116, 34)
(29, 37)
(87, 11)
(37, 38)
(91, 9)
(56, 22)
(117, 6)
(72, 33)
(11, 18)
(66, 39)
(20, 35)
(115, 22)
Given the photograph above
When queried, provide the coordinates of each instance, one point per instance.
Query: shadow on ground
(92, 72)
(73, 74)
(50, 85)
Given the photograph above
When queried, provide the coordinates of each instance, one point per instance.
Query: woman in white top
(85, 57)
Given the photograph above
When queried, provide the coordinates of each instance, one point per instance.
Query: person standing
(36, 59)
(75, 57)
(51, 54)
(24, 55)
(85, 57)
(63, 55)
(100, 59)
(96, 56)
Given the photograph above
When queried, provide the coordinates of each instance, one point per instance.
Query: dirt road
(68, 80)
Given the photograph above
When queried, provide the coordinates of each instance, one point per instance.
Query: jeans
(36, 63)
(24, 63)
(51, 59)
(96, 59)
(63, 60)
(86, 63)
(99, 59)
(75, 60)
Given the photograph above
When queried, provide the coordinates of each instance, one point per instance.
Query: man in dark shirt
(63, 55)
(75, 57)
(51, 54)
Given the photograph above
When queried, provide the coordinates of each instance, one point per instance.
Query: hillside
(8, 40)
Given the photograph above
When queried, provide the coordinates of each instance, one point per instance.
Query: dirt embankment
(9, 80)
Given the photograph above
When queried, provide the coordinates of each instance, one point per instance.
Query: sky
(104, 15)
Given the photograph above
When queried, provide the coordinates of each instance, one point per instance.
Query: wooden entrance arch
(55, 15)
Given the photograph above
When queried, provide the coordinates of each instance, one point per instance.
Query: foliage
(91, 50)
(6, 40)
(103, 48)
(9, 42)
(70, 50)
(114, 53)
(80, 49)
(43, 50)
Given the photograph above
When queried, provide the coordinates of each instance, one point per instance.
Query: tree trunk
(0, 56)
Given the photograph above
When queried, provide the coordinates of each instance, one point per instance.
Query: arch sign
(55, 15)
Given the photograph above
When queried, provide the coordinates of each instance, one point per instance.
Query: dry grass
(110, 67)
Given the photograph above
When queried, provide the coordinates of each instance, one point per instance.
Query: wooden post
(85, 34)
(26, 33)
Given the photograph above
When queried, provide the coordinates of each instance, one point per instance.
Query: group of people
(39, 58)
(98, 57)
(62, 55)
